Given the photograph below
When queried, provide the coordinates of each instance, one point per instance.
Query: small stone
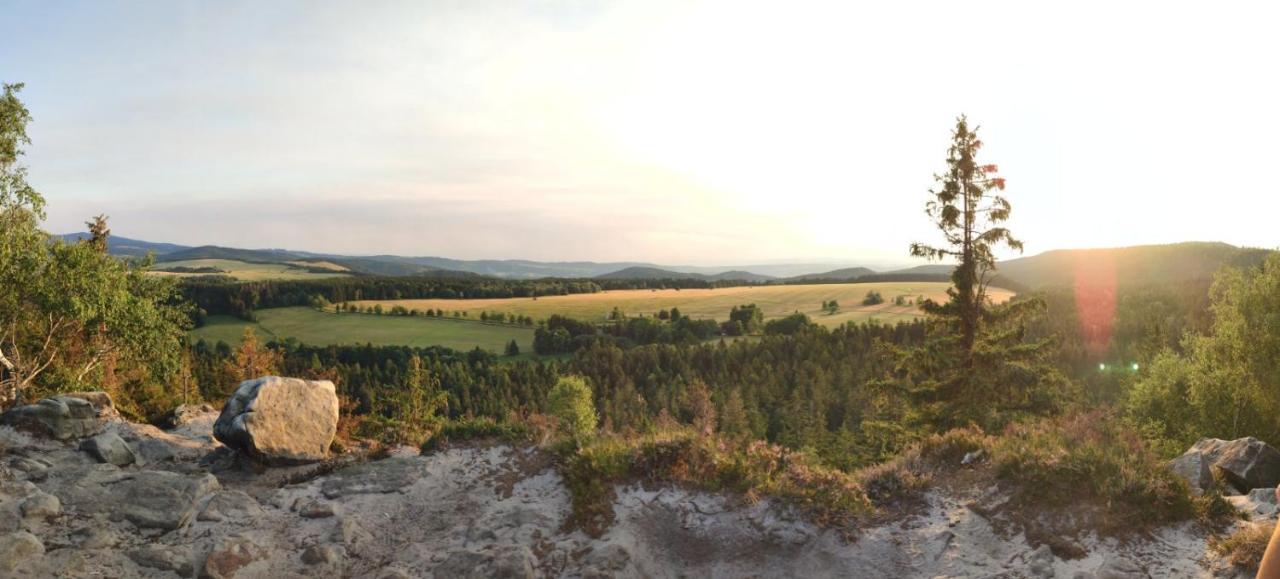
(1263, 495)
(17, 548)
(108, 447)
(229, 556)
(41, 505)
(98, 538)
(322, 554)
(351, 534)
(164, 558)
(316, 510)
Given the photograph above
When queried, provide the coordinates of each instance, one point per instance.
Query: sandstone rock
(184, 414)
(1193, 466)
(97, 538)
(1264, 495)
(18, 548)
(316, 510)
(284, 420)
(41, 505)
(394, 573)
(148, 499)
(351, 533)
(59, 417)
(102, 403)
(1249, 463)
(503, 561)
(235, 506)
(382, 476)
(108, 447)
(229, 556)
(164, 558)
(322, 554)
(1119, 568)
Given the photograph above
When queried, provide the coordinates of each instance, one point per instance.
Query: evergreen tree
(976, 367)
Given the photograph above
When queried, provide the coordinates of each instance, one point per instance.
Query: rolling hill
(654, 273)
(843, 274)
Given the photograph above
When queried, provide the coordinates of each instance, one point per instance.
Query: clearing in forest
(775, 300)
(322, 329)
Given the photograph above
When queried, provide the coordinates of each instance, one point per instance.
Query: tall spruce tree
(976, 367)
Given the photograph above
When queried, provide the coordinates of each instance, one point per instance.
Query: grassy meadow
(317, 328)
(245, 271)
(775, 300)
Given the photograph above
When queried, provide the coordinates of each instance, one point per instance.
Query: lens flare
(1095, 289)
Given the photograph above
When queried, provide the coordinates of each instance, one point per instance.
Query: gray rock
(234, 506)
(1264, 495)
(108, 447)
(102, 403)
(41, 505)
(148, 499)
(280, 420)
(1119, 568)
(59, 418)
(229, 556)
(351, 533)
(1193, 466)
(323, 554)
(184, 414)
(164, 558)
(18, 548)
(503, 561)
(97, 538)
(1248, 463)
(316, 510)
(382, 476)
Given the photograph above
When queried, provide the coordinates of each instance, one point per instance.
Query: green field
(321, 329)
(245, 271)
(776, 301)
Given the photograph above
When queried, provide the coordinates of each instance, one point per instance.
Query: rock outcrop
(58, 417)
(1246, 463)
(280, 420)
(108, 447)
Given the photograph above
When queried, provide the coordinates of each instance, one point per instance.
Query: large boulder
(59, 417)
(280, 420)
(1246, 463)
(1194, 467)
(1249, 463)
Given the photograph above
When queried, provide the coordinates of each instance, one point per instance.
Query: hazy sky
(674, 132)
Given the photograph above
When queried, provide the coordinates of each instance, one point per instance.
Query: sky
(683, 132)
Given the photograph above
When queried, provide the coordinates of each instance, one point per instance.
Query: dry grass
(775, 300)
(245, 271)
(1245, 547)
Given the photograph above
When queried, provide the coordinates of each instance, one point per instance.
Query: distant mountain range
(1144, 264)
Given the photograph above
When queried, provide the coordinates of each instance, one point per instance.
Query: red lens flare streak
(1095, 289)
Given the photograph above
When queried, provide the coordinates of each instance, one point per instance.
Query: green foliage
(1224, 383)
(409, 414)
(71, 316)
(873, 298)
(451, 431)
(1092, 458)
(789, 325)
(570, 403)
(685, 457)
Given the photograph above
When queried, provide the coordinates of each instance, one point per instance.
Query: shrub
(873, 298)
(681, 456)
(1245, 547)
(1092, 457)
(570, 403)
(473, 428)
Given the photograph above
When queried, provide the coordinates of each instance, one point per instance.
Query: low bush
(1244, 548)
(475, 428)
(681, 456)
(1092, 457)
